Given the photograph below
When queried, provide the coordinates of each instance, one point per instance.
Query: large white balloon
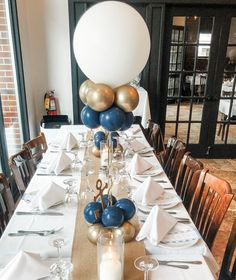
(111, 43)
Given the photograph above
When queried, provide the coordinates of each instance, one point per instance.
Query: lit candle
(110, 257)
(110, 269)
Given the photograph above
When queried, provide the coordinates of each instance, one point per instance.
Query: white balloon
(111, 43)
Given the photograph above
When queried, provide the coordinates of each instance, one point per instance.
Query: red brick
(6, 48)
(6, 80)
(3, 21)
(9, 103)
(9, 73)
(10, 86)
(2, 14)
(3, 27)
(4, 97)
(12, 97)
(5, 54)
(10, 115)
(5, 67)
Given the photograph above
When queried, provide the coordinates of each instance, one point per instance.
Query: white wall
(44, 32)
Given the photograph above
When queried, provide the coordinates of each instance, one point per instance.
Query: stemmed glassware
(61, 269)
(146, 264)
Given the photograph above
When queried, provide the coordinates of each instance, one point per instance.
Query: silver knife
(50, 213)
(52, 174)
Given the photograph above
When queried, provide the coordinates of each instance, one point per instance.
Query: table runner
(84, 253)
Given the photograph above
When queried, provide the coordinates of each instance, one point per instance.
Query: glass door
(198, 40)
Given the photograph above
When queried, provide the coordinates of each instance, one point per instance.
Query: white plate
(166, 201)
(181, 236)
(145, 150)
(151, 172)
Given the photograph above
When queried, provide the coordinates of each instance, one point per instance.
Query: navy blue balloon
(129, 119)
(127, 206)
(93, 212)
(112, 119)
(98, 137)
(106, 199)
(112, 216)
(89, 117)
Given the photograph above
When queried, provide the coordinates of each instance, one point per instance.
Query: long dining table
(78, 248)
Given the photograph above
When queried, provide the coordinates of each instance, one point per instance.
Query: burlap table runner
(84, 253)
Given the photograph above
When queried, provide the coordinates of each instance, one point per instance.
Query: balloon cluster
(107, 211)
(112, 109)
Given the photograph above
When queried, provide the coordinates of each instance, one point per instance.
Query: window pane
(232, 32)
(171, 112)
(169, 131)
(194, 133)
(192, 29)
(8, 88)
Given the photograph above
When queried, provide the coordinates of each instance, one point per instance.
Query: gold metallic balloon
(83, 90)
(100, 97)
(96, 151)
(94, 231)
(128, 231)
(126, 98)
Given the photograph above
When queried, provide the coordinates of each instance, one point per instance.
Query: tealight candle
(110, 256)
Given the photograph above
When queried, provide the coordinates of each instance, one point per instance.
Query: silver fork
(37, 232)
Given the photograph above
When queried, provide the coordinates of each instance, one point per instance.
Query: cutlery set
(49, 213)
(172, 263)
(35, 232)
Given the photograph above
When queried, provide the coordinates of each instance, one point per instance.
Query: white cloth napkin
(49, 196)
(148, 192)
(25, 266)
(138, 165)
(70, 142)
(137, 146)
(156, 226)
(132, 130)
(60, 163)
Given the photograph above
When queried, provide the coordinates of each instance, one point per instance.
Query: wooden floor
(224, 168)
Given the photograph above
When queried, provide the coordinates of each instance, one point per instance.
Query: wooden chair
(172, 157)
(23, 169)
(155, 138)
(228, 267)
(37, 147)
(187, 178)
(210, 202)
(7, 196)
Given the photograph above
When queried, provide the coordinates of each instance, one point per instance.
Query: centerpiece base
(127, 230)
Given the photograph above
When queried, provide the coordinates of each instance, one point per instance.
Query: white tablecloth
(143, 108)
(224, 107)
(9, 246)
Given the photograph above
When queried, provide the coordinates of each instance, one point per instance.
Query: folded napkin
(148, 192)
(69, 143)
(138, 165)
(132, 130)
(60, 163)
(25, 266)
(137, 146)
(48, 196)
(156, 226)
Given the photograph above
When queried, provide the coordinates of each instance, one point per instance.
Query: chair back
(210, 202)
(175, 151)
(6, 195)
(23, 169)
(187, 178)
(228, 267)
(37, 147)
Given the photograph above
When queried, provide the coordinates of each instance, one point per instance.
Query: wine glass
(146, 264)
(61, 269)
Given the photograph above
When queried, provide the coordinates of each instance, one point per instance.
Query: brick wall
(7, 87)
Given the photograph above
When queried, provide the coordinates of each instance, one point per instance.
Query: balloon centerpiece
(106, 213)
(111, 45)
